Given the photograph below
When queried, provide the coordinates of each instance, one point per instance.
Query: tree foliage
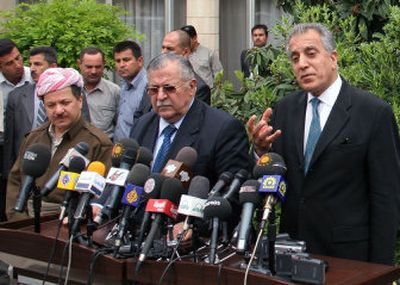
(68, 26)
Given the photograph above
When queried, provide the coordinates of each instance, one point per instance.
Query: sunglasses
(167, 89)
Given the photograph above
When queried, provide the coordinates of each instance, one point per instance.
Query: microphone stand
(271, 241)
(37, 205)
(90, 226)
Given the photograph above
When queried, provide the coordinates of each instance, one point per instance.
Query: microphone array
(155, 212)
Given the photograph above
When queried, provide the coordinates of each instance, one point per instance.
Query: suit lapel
(186, 135)
(337, 119)
(151, 132)
(28, 102)
(298, 126)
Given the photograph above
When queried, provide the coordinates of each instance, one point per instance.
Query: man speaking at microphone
(60, 90)
(179, 120)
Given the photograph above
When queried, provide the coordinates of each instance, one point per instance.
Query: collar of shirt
(137, 80)
(26, 77)
(328, 99)
(99, 86)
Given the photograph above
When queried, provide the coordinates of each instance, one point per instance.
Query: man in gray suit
(23, 106)
(342, 151)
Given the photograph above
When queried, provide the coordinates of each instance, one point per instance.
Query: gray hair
(160, 61)
(326, 36)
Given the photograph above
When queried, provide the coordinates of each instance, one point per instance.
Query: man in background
(25, 111)
(259, 36)
(102, 95)
(205, 61)
(178, 42)
(133, 102)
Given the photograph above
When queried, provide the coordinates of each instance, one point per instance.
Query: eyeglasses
(167, 89)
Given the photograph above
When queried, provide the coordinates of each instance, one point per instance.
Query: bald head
(177, 42)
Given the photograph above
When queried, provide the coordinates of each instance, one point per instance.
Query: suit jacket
(244, 63)
(203, 91)
(348, 203)
(219, 139)
(18, 122)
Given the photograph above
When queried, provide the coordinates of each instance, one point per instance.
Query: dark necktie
(41, 114)
(163, 151)
(313, 135)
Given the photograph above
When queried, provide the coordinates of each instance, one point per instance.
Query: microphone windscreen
(199, 187)
(152, 186)
(138, 174)
(129, 156)
(187, 155)
(172, 190)
(82, 148)
(249, 192)
(76, 164)
(144, 156)
(98, 167)
(218, 207)
(36, 160)
(120, 148)
(269, 164)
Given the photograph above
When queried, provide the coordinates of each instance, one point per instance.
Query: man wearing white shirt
(342, 151)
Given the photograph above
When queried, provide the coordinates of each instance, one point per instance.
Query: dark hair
(124, 45)
(91, 51)
(49, 53)
(76, 91)
(260, 26)
(190, 30)
(6, 46)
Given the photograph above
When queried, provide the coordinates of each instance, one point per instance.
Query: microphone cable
(253, 254)
(160, 281)
(53, 251)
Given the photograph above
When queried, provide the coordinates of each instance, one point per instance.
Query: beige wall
(203, 15)
(7, 4)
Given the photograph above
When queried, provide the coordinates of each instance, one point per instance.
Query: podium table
(29, 252)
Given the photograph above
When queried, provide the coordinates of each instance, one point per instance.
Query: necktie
(41, 114)
(163, 151)
(313, 135)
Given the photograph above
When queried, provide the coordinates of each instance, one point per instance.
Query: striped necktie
(313, 135)
(163, 151)
(41, 114)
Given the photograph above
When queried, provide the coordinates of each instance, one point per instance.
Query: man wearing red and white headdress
(60, 90)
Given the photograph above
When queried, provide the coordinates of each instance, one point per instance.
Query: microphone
(224, 179)
(131, 198)
(67, 181)
(249, 198)
(171, 192)
(144, 156)
(238, 179)
(192, 204)
(34, 164)
(180, 168)
(91, 183)
(124, 155)
(216, 208)
(81, 149)
(152, 190)
(270, 169)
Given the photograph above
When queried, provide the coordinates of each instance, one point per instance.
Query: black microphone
(224, 179)
(216, 208)
(131, 198)
(144, 156)
(166, 206)
(249, 198)
(34, 164)
(191, 204)
(238, 179)
(152, 190)
(123, 155)
(67, 182)
(81, 149)
(269, 163)
(181, 166)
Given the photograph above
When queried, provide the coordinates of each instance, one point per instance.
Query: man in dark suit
(23, 106)
(342, 148)
(179, 42)
(219, 139)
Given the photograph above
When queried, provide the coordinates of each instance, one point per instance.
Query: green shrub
(68, 26)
